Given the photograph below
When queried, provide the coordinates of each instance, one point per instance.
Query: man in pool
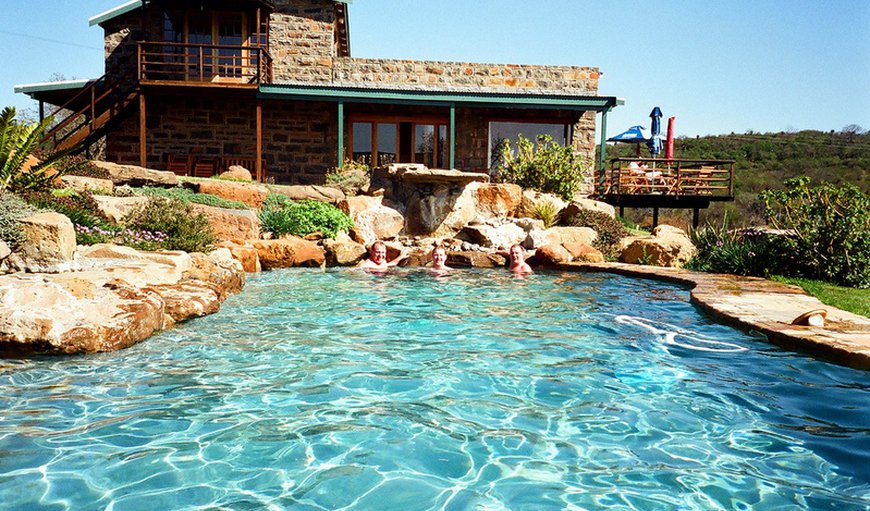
(518, 264)
(377, 261)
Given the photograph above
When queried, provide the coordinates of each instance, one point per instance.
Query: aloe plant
(17, 142)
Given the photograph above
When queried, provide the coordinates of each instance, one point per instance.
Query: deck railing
(675, 177)
(203, 63)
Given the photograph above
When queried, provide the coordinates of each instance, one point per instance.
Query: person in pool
(439, 259)
(377, 260)
(517, 258)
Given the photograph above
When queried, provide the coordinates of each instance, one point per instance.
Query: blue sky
(718, 66)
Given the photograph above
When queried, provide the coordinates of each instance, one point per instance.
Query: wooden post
(340, 134)
(695, 218)
(452, 136)
(143, 160)
(259, 165)
(41, 111)
(655, 217)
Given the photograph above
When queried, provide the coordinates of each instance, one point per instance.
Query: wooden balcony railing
(166, 62)
(713, 179)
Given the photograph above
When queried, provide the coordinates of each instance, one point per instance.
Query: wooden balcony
(162, 63)
(657, 183)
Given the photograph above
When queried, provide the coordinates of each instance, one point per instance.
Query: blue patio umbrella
(634, 135)
(655, 141)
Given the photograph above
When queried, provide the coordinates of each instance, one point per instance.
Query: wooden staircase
(86, 117)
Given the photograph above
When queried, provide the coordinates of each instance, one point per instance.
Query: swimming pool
(339, 390)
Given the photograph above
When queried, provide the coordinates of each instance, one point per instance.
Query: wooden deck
(658, 183)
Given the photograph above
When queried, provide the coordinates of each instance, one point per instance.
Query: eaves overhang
(437, 97)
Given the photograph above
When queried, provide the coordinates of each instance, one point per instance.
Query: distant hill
(764, 160)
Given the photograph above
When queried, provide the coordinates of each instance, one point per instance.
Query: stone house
(196, 85)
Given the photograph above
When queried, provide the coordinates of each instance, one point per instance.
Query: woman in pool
(377, 261)
(439, 260)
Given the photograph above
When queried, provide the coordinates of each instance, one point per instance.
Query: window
(503, 132)
(381, 140)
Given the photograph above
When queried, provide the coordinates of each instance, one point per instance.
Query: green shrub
(18, 142)
(829, 230)
(281, 215)
(739, 252)
(546, 211)
(182, 227)
(80, 208)
(187, 195)
(610, 231)
(350, 178)
(545, 166)
(13, 208)
(80, 166)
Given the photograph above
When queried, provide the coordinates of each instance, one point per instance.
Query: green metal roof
(132, 5)
(437, 97)
(33, 88)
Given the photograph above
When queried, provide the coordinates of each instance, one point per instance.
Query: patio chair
(205, 166)
(178, 164)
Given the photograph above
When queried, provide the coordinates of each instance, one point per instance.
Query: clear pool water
(340, 390)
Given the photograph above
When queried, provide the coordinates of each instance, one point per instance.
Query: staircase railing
(105, 95)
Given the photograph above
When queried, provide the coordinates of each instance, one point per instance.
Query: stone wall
(465, 75)
(302, 40)
(299, 138)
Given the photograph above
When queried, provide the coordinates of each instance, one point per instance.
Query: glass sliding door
(363, 148)
(424, 144)
(388, 144)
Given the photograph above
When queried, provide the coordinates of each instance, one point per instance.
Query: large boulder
(532, 198)
(577, 205)
(245, 254)
(475, 260)
(50, 245)
(83, 184)
(372, 219)
(562, 235)
(117, 209)
(251, 194)
(552, 255)
(238, 173)
(445, 210)
(310, 192)
(668, 246)
(500, 236)
(584, 253)
(4, 250)
(134, 175)
(288, 252)
(189, 299)
(219, 269)
(343, 251)
(230, 224)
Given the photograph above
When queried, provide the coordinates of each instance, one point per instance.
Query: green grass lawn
(846, 298)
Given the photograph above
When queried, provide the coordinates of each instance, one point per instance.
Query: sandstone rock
(343, 251)
(669, 246)
(175, 259)
(4, 250)
(238, 172)
(310, 192)
(219, 269)
(248, 193)
(134, 175)
(419, 173)
(43, 315)
(532, 197)
(475, 260)
(247, 255)
(444, 211)
(503, 236)
(584, 253)
(116, 209)
(190, 299)
(561, 235)
(50, 245)
(587, 204)
(289, 252)
(230, 224)
(83, 184)
(372, 219)
(552, 255)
